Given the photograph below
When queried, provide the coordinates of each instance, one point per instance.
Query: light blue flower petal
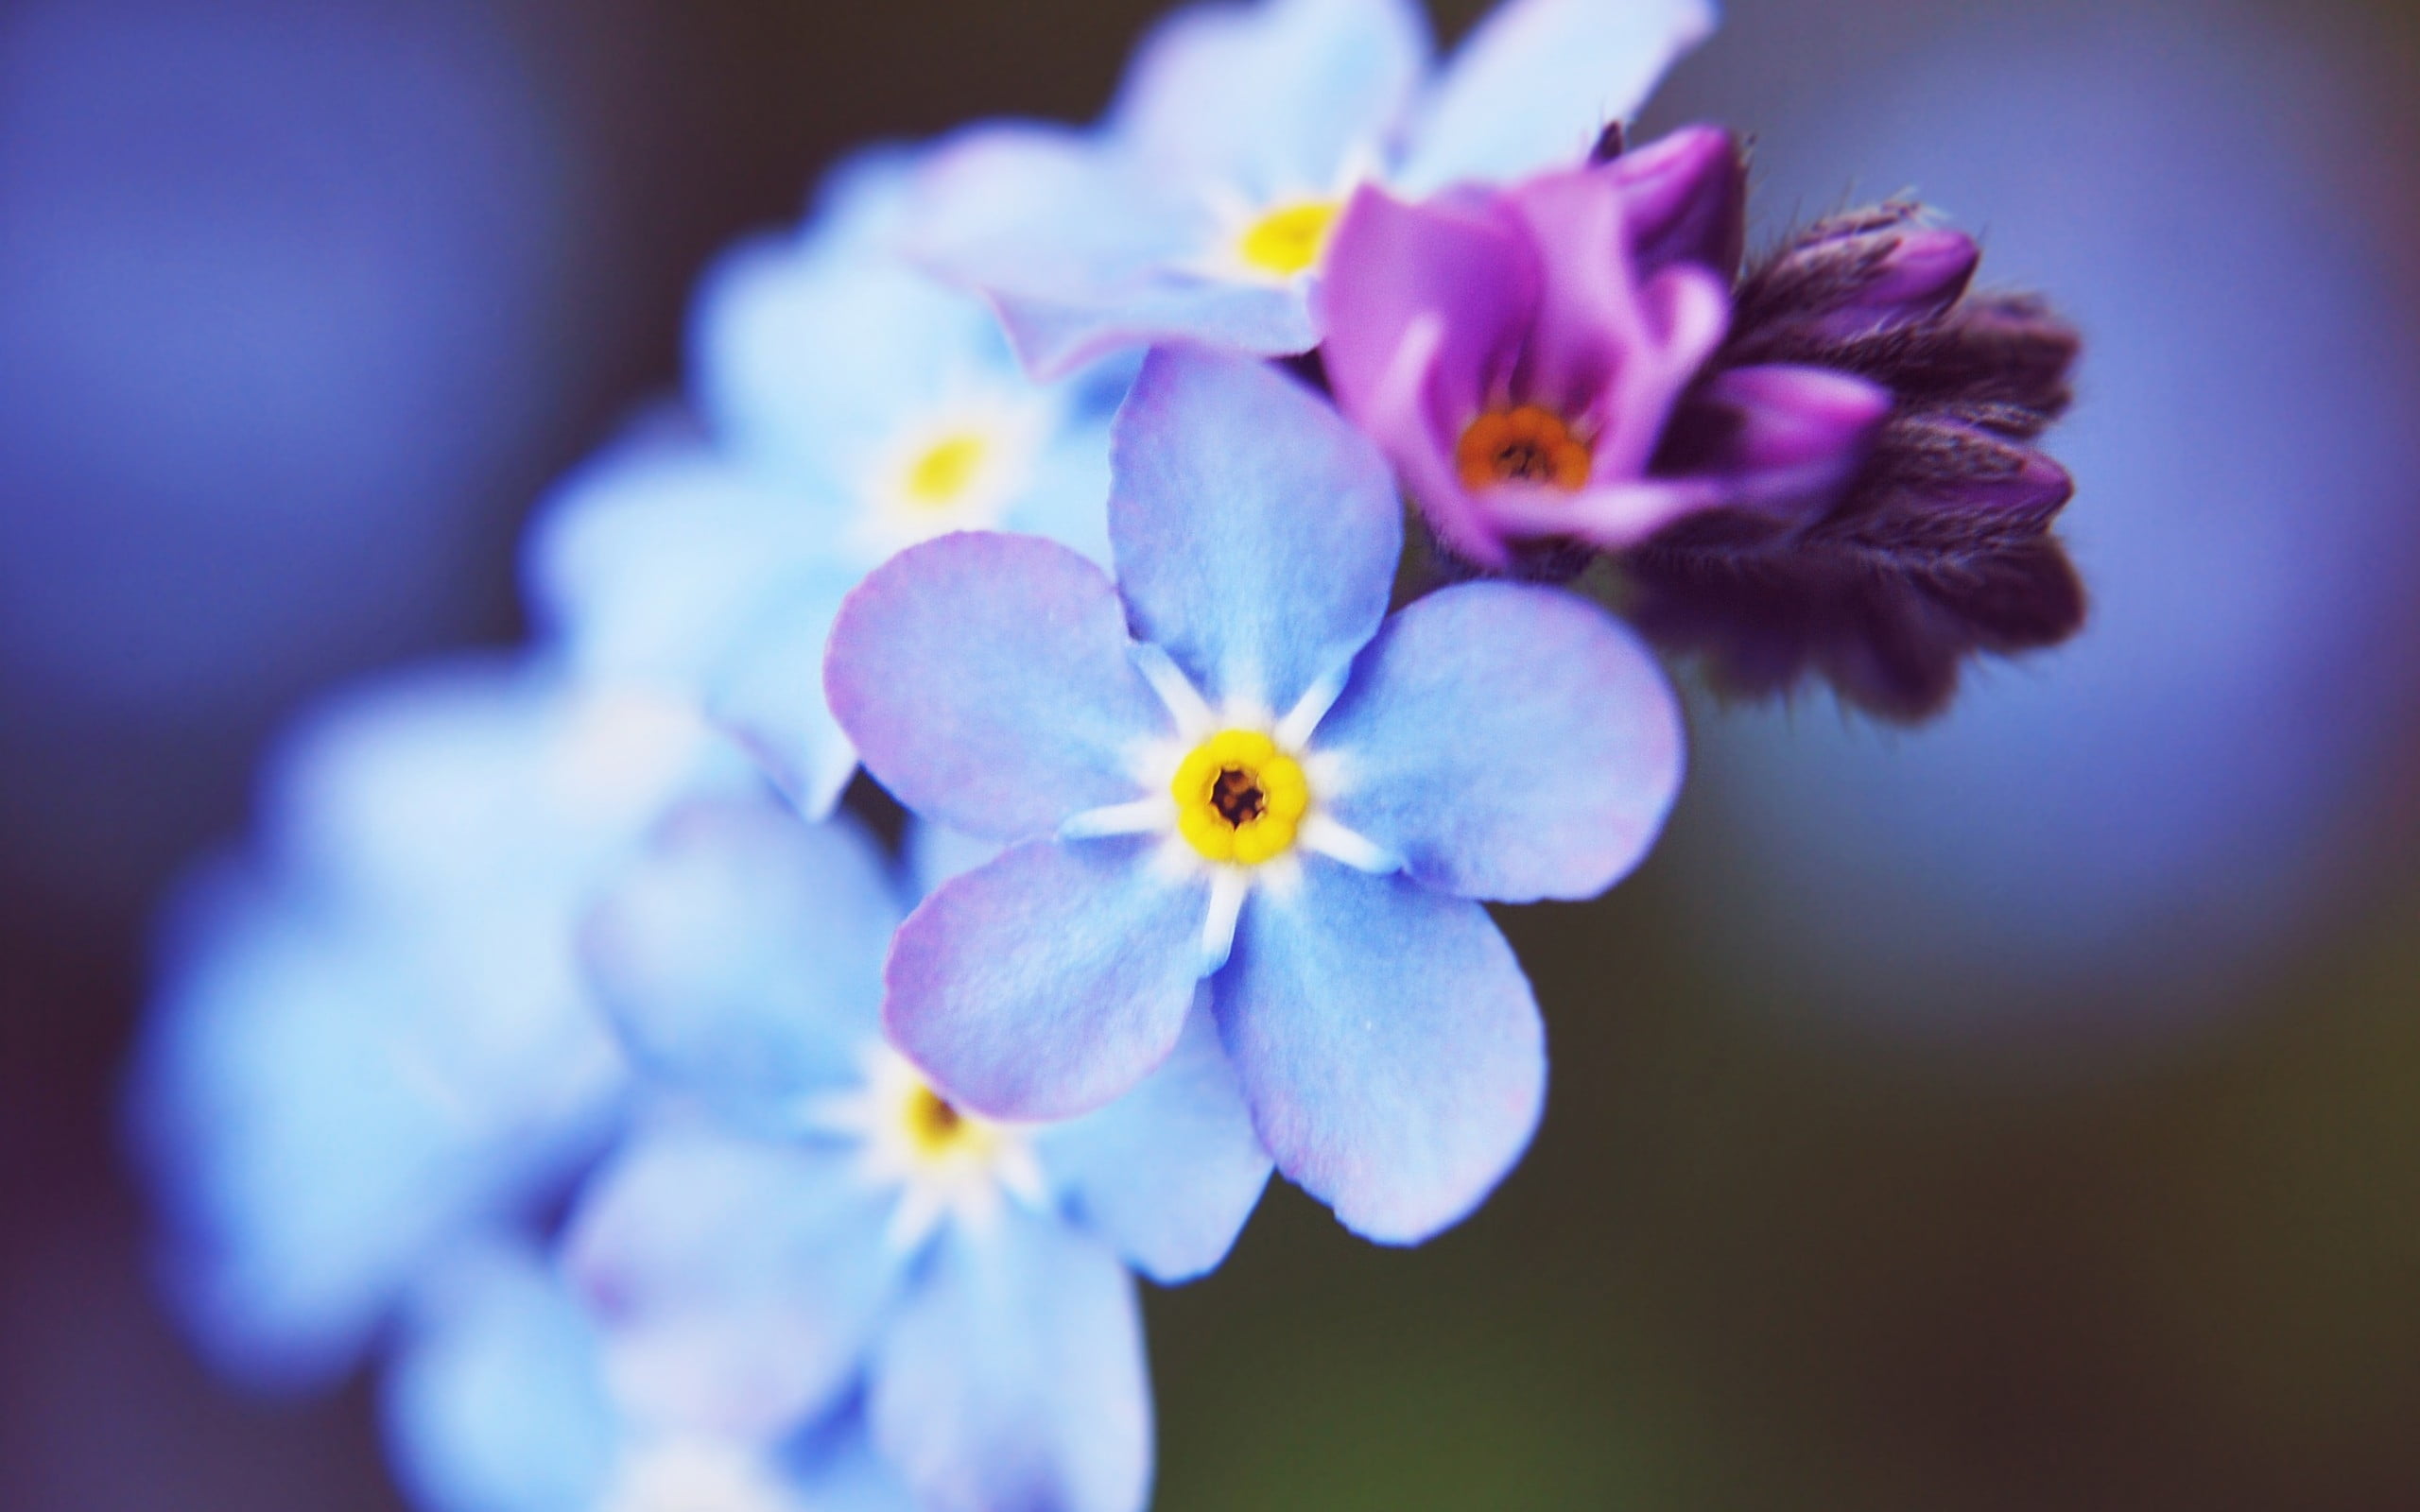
(1084, 249)
(1273, 100)
(737, 1281)
(1534, 84)
(1256, 532)
(652, 558)
(742, 955)
(859, 206)
(767, 693)
(1170, 1172)
(1069, 497)
(838, 1470)
(316, 1122)
(1389, 1044)
(495, 1401)
(1509, 742)
(936, 852)
(1049, 980)
(987, 683)
(810, 364)
(1015, 1377)
(1056, 335)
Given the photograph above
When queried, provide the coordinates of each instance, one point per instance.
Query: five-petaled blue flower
(831, 1225)
(1226, 766)
(1201, 209)
(846, 405)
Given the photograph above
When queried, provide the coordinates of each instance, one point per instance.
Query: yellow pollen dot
(1289, 240)
(1525, 444)
(1239, 799)
(943, 470)
(936, 1127)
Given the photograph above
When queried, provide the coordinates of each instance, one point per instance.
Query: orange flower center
(1525, 444)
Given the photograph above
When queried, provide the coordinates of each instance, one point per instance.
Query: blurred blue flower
(1200, 209)
(1271, 772)
(497, 1401)
(370, 1035)
(2097, 841)
(829, 1224)
(848, 406)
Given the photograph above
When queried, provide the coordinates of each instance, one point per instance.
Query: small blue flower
(846, 406)
(812, 1220)
(1201, 208)
(497, 1401)
(371, 1034)
(1272, 790)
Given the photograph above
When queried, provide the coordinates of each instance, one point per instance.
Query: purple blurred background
(2022, 1112)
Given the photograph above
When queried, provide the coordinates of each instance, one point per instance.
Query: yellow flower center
(942, 471)
(1239, 799)
(937, 1129)
(1290, 240)
(1525, 444)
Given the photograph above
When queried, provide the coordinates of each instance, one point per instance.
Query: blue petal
(742, 955)
(737, 1281)
(1509, 742)
(497, 1401)
(986, 681)
(653, 559)
(767, 692)
(1389, 1044)
(318, 1108)
(1084, 250)
(1170, 1172)
(1534, 84)
(1069, 497)
(1055, 334)
(1256, 532)
(936, 852)
(1273, 100)
(1049, 980)
(810, 364)
(838, 1470)
(1013, 1377)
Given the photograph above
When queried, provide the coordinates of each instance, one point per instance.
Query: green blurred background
(1813, 1222)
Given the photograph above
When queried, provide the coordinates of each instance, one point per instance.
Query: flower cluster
(685, 1144)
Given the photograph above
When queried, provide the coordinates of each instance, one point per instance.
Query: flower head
(847, 406)
(1203, 207)
(1233, 765)
(811, 1219)
(1938, 545)
(1521, 356)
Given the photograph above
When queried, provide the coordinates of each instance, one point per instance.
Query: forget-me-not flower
(818, 1221)
(1200, 209)
(371, 1035)
(846, 405)
(497, 1401)
(1226, 765)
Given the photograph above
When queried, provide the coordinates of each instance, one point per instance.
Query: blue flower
(846, 406)
(829, 1226)
(1273, 790)
(370, 1034)
(1201, 208)
(497, 1402)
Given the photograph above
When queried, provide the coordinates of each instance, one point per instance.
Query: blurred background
(2019, 1112)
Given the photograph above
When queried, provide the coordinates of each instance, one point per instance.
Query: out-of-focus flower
(1271, 787)
(497, 1401)
(848, 406)
(1940, 547)
(835, 1224)
(371, 1036)
(1522, 355)
(1201, 209)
